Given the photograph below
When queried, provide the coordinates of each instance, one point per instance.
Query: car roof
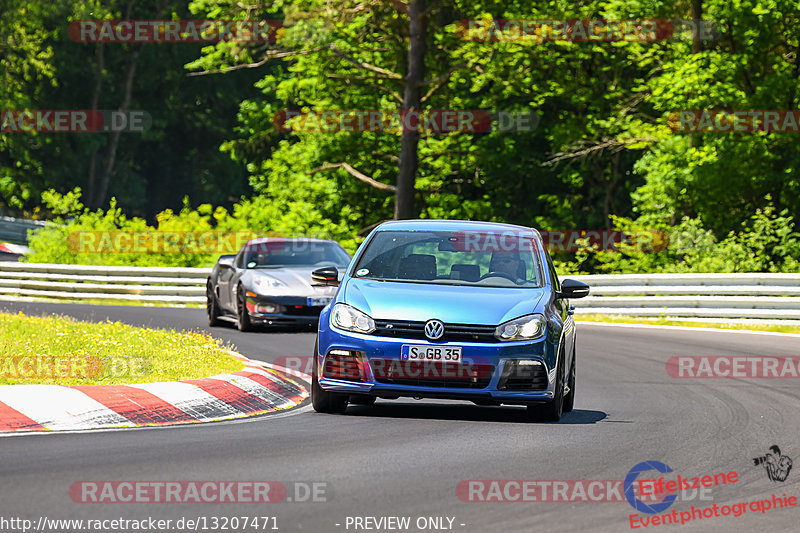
(451, 225)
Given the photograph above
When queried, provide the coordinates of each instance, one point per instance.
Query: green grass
(63, 351)
(662, 321)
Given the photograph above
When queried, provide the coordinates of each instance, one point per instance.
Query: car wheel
(243, 323)
(322, 400)
(551, 411)
(212, 308)
(569, 399)
(362, 399)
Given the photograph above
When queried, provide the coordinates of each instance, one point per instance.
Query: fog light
(344, 365)
(266, 308)
(523, 374)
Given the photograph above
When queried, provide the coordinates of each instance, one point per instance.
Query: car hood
(289, 281)
(388, 300)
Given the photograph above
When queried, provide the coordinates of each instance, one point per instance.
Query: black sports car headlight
(525, 328)
(264, 284)
(349, 318)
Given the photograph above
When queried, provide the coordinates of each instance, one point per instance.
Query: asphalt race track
(405, 458)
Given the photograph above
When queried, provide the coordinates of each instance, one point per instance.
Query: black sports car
(269, 282)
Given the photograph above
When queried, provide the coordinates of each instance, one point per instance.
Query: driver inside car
(506, 263)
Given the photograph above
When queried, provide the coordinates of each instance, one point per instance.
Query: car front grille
(452, 332)
(431, 374)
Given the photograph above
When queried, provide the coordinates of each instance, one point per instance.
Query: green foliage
(61, 241)
(42, 68)
(766, 242)
(602, 155)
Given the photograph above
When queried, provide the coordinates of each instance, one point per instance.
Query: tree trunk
(697, 42)
(697, 16)
(409, 141)
(124, 107)
(98, 84)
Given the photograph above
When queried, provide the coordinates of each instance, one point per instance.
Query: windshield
(451, 258)
(294, 253)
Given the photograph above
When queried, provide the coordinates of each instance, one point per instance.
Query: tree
(389, 73)
(25, 67)
(42, 68)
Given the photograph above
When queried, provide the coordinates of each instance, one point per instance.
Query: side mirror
(226, 261)
(573, 289)
(326, 276)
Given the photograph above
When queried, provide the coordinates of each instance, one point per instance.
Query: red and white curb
(15, 249)
(259, 389)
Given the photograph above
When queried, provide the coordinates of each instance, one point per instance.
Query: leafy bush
(60, 242)
(766, 242)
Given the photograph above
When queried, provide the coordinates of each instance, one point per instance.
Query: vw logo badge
(434, 329)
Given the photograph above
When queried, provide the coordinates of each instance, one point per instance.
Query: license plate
(444, 354)
(319, 301)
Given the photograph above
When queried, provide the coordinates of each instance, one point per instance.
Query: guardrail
(751, 295)
(180, 286)
(773, 296)
(15, 230)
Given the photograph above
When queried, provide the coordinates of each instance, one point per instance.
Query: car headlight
(521, 329)
(351, 319)
(264, 284)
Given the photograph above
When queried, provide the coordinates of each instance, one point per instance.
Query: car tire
(321, 400)
(361, 399)
(569, 399)
(243, 323)
(552, 410)
(212, 307)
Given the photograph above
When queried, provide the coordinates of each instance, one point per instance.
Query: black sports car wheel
(212, 308)
(243, 323)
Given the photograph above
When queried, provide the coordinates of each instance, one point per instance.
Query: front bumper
(289, 310)
(490, 362)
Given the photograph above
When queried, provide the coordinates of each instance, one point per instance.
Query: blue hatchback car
(448, 309)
